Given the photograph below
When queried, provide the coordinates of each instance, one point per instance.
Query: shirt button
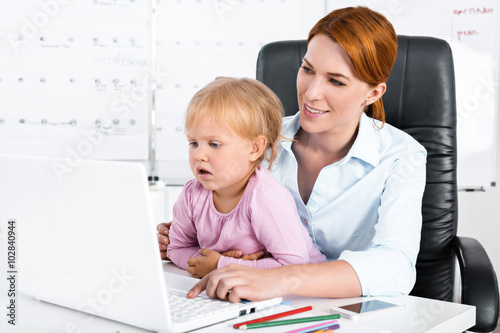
(306, 222)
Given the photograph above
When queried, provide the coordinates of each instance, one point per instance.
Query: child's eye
(306, 69)
(214, 144)
(193, 144)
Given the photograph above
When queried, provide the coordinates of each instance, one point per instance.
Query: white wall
(479, 217)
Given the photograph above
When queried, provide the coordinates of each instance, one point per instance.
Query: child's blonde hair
(246, 106)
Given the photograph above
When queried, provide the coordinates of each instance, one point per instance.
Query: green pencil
(288, 321)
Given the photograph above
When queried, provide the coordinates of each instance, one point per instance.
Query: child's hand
(252, 256)
(201, 266)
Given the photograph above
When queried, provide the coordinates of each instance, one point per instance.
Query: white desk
(420, 315)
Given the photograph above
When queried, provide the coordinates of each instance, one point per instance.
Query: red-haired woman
(357, 182)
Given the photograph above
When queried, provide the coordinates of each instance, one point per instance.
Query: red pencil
(274, 316)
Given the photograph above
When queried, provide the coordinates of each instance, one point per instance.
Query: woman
(357, 182)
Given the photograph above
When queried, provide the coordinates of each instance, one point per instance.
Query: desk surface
(420, 315)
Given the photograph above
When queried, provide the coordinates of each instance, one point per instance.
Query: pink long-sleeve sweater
(265, 219)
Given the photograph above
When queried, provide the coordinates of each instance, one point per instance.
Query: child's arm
(209, 259)
(180, 248)
(278, 227)
(201, 266)
(183, 240)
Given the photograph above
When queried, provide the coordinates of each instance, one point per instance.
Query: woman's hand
(163, 240)
(236, 282)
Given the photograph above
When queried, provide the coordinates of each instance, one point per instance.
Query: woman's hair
(245, 106)
(370, 42)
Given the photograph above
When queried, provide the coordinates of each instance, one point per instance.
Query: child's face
(219, 158)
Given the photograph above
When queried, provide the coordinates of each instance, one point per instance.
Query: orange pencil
(275, 316)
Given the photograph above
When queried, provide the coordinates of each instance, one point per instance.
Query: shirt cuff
(375, 278)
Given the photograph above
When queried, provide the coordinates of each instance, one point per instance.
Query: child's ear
(258, 146)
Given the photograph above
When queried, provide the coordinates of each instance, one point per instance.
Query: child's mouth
(203, 172)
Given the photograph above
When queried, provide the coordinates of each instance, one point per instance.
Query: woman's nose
(314, 90)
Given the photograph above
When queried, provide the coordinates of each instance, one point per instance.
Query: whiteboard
(197, 41)
(472, 29)
(72, 79)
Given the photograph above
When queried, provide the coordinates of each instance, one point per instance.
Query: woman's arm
(329, 279)
(388, 266)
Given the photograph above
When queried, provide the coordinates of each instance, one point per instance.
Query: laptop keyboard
(186, 309)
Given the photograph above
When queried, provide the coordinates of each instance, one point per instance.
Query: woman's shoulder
(393, 138)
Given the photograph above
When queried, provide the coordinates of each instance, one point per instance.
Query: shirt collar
(289, 129)
(366, 146)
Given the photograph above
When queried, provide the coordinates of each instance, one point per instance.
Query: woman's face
(330, 94)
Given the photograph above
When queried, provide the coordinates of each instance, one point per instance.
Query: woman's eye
(336, 82)
(306, 69)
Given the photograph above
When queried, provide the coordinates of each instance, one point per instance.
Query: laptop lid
(86, 237)
(87, 241)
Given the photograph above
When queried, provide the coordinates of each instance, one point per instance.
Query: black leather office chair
(420, 100)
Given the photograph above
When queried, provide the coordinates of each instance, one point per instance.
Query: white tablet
(366, 309)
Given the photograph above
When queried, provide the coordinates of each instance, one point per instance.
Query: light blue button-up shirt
(366, 208)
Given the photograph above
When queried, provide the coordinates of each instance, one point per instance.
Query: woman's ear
(376, 93)
(258, 147)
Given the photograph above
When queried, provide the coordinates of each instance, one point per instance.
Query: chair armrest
(479, 282)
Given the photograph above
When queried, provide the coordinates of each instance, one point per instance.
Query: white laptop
(86, 240)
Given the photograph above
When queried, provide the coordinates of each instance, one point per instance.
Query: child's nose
(200, 155)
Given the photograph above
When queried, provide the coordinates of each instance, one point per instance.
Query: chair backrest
(420, 100)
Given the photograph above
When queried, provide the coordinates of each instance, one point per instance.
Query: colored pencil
(274, 316)
(328, 329)
(288, 322)
(331, 325)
